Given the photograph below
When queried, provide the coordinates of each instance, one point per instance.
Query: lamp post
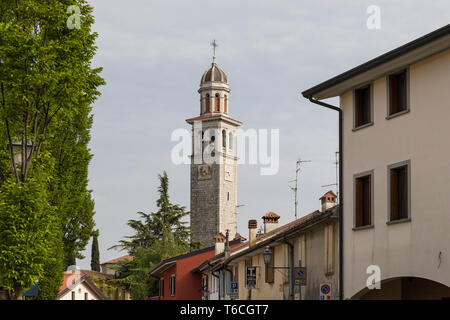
(267, 255)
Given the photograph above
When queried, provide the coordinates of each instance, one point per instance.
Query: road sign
(234, 292)
(250, 278)
(300, 276)
(325, 291)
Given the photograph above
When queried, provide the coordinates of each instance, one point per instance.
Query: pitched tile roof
(72, 278)
(122, 258)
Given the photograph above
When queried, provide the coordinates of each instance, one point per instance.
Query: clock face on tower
(203, 172)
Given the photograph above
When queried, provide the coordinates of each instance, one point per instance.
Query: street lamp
(267, 255)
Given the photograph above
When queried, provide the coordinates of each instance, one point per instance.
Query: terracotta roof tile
(271, 215)
(122, 258)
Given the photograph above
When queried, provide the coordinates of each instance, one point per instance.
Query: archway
(406, 288)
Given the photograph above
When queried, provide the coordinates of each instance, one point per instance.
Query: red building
(176, 281)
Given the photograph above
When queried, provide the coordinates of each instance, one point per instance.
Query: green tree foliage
(153, 225)
(47, 87)
(95, 253)
(158, 236)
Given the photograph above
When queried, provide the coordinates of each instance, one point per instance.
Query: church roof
(214, 73)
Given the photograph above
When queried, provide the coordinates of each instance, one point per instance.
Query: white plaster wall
(422, 136)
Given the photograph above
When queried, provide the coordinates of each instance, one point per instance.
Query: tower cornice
(214, 117)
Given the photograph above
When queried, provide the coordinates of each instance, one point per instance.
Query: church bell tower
(214, 161)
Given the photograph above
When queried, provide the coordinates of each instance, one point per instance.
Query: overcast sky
(154, 54)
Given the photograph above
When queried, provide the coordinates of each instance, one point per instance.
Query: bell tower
(214, 161)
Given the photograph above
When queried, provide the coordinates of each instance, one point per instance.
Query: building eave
(279, 237)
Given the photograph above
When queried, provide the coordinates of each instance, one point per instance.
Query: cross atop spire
(214, 45)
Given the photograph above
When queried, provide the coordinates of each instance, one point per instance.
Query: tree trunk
(17, 295)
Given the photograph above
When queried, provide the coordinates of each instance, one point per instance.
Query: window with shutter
(398, 92)
(399, 191)
(362, 106)
(363, 200)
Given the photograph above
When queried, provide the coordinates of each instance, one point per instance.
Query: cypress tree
(95, 254)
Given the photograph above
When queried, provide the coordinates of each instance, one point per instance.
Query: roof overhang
(160, 268)
(282, 237)
(401, 57)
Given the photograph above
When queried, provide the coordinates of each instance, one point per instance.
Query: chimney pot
(328, 200)
(252, 225)
(270, 221)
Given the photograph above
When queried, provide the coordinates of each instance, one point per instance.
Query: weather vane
(214, 45)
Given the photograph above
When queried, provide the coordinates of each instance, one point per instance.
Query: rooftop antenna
(234, 224)
(336, 163)
(295, 189)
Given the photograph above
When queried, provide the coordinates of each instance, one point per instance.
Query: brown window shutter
(394, 195)
(359, 203)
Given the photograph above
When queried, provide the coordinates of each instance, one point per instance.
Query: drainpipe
(341, 194)
(291, 270)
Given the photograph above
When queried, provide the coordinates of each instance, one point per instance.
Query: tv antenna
(336, 163)
(234, 224)
(295, 189)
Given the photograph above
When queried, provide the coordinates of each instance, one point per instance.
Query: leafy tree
(95, 253)
(158, 236)
(47, 87)
(153, 225)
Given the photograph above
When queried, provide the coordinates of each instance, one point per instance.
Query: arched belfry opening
(217, 103)
(224, 138)
(207, 103)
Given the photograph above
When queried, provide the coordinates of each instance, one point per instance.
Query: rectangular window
(161, 288)
(172, 285)
(85, 296)
(73, 295)
(362, 106)
(399, 191)
(363, 200)
(398, 93)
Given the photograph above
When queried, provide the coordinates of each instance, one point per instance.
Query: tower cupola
(214, 90)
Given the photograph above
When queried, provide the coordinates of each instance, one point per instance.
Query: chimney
(227, 245)
(219, 240)
(328, 200)
(252, 225)
(270, 221)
